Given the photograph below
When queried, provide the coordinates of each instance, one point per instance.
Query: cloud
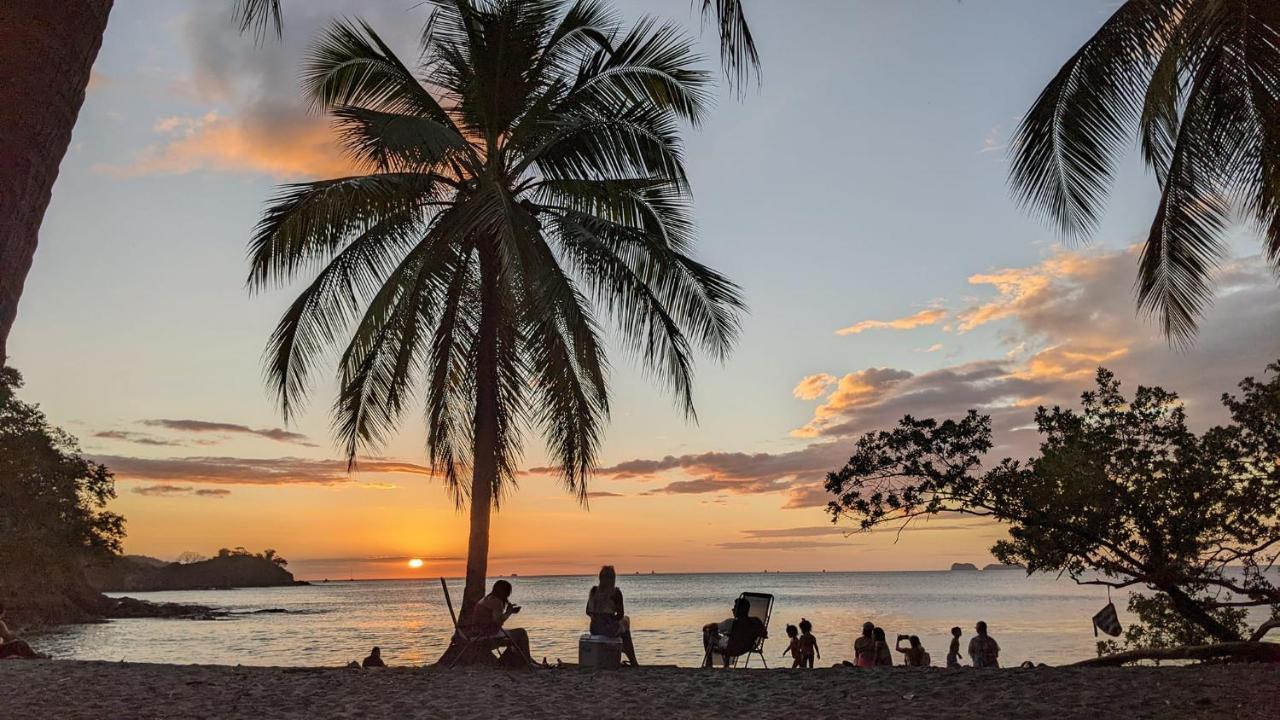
(302, 149)
(253, 117)
(163, 490)
(796, 532)
(852, 390)
(204, 426)
(783, 545)
(812, 387)
(150, 490)
(928, 316)
(603, 494)
(213, 492)
(932, 348)
(993, 141)
(1058, 319)
(136, 438)
(253, 471)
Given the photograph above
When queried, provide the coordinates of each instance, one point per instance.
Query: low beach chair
(491, 641)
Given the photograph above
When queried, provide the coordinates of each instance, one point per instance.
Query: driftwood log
(1241, 651)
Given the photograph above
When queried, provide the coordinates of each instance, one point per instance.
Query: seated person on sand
(734, 636)
(884, 658)
(864, 648)
(374, 660)
(984, 651)
(11, 646)
(491, 614)
(604, 607)
(915, 655)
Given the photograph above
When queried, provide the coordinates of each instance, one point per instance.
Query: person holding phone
(492, 613)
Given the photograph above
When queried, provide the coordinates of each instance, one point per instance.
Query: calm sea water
(1036, 618)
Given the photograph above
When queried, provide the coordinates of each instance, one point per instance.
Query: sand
(73, 689)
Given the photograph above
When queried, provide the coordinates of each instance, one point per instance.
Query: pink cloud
(930, 316)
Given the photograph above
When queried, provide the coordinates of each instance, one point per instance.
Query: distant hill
(963, 567)
(1004, 566)
(135, 573)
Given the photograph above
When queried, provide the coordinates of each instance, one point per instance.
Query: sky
(857, 195)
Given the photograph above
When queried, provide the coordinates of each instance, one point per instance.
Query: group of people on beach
(735, 635)
(871, 649)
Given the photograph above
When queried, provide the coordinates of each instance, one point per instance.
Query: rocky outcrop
(1005, 566)
(963, 567)
(126, 574)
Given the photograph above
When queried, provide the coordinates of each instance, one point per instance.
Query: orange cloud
(814, 386)
(1021, 289)
(857, 389)
(305, 148)
(930, 316)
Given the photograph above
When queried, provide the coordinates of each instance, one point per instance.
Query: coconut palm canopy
(524, 185)
(1198, 81)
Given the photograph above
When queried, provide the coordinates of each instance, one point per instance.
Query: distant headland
(970, 567)
(236, 568)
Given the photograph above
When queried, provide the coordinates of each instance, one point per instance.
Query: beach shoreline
(74, 689)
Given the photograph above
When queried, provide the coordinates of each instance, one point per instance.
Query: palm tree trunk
(485, 464)
(46, 51)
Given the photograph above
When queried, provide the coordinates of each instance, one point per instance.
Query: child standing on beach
(794, 647)
(953, 655)
(808, 644)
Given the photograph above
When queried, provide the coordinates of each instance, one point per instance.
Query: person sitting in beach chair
(604, 607)
(732, 637)
(491, 614)
(11, 646)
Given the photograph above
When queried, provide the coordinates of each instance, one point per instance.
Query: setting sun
(415, 563)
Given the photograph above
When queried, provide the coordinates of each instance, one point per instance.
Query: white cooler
(599, 652)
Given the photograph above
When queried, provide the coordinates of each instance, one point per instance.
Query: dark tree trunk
(47, 48)
(485, 463)
(1196, 613)
(484, 469)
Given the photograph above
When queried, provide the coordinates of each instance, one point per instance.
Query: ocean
(1039, 618)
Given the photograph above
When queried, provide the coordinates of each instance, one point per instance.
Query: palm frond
(1064, 150)
(738, 53)
(259, 16)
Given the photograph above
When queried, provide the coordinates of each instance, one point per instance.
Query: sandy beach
(72, 689)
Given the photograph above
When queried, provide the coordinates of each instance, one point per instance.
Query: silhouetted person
(374, 660)
(10, 644)
(793, 647)
(808, 644)
(984, 651)
(605, 608)
(734, 636)
(864, 648)
(914, 655)
(883, 656)
(953, 654)
(491, 614)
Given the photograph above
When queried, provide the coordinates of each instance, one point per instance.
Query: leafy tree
(189, 557)
(530, 181)
(1121, 494)
(1160, 625)
(51, 511)
(1198, 83)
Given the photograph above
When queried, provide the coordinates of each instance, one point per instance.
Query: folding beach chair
(492, 641)
(761, 608)
(743, 639)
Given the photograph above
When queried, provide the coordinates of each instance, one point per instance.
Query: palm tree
(1198, 81)
(47, 50)
(529, 182)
